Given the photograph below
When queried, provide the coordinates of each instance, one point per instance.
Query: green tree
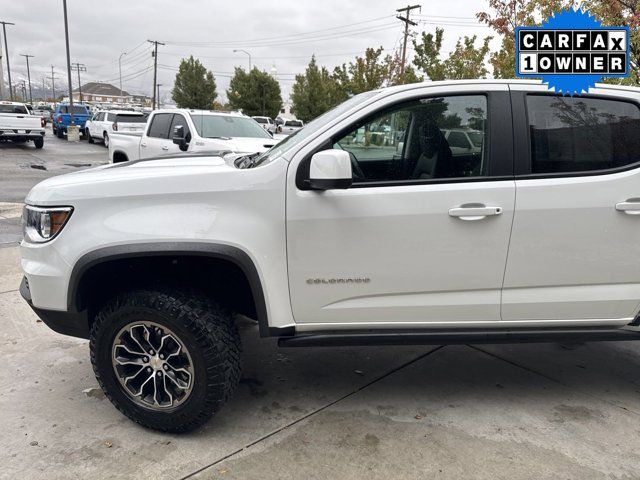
(194, 86)
(466, 60)
(621, 13)
(255, 93)
(315, 91)
(504, 16)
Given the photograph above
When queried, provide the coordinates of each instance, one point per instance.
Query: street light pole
(120, 71)
(27, 56)
(244, 51)
(6, 52)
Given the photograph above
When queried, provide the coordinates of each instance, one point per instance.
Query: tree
(194, 86)
(255, 93)
(316, 91)
(466, 61)
(621, 13)
(505, 16)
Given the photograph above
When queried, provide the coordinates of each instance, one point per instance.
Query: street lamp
(236, 50)
(120, 70)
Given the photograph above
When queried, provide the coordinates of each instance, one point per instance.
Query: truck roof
(199, 112)
(7, 102)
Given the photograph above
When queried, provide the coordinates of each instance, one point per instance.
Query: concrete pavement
(522, 411)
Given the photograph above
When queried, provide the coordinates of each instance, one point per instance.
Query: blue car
(62, 118)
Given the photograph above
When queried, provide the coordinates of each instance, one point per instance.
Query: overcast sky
(277, 33)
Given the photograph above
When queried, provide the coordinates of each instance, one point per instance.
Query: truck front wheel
(168, 360)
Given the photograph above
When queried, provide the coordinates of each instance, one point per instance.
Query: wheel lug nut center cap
(156, 363)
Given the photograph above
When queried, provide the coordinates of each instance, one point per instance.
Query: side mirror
(179, 138)
(330, 169)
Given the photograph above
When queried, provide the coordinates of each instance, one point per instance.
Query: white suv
(363, 228)
(106, 122)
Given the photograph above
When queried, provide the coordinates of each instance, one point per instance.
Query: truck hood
(130, 179)
(237, 144)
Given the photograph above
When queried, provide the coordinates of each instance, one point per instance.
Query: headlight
(41, 224)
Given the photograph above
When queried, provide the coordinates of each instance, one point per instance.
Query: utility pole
(66, 36)
(6, 52)
(27, 56)
(79, 67)
(53, 87)
(120, 71)
(407, 22)
(158, 85)
(155, 69)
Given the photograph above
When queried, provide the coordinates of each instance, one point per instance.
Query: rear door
(407, 245)
(155, 141)
(575, 245)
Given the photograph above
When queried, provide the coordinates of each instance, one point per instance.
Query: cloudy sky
(277, 33)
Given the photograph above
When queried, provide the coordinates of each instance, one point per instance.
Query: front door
(156, 142)
(422, 235)
(575, 245)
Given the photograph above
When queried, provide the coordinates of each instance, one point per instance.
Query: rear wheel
(38, 142)
(167, 360)
(105, 138)
(89, 137)
(60, 133)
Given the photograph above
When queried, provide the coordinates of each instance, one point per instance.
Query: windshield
(20, 109)
(124, 118)
(216, 126)
(312, 127)
(260, 119)
(293, 123)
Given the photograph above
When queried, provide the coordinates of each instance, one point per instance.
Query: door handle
(474, 212)
(630, 207)
(165, 148)
(143, 144)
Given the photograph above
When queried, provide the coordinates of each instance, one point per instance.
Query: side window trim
(522, 140)
(499, 148)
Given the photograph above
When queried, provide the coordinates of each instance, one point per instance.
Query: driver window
(443, 137)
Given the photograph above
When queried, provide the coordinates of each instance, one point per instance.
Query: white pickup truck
(17, 125)
(337, 238)
(169, 132)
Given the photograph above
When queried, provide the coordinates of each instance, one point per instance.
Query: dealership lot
(543, 411)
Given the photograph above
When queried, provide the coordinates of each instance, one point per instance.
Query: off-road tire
(213, 343)
(38, 142)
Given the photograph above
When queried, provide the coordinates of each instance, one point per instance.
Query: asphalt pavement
(23, 166)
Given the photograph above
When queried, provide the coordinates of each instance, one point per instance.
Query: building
(98, 92)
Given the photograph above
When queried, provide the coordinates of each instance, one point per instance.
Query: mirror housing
(179, 138)
(330, 169)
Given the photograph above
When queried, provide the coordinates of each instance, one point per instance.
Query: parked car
(172, 131)
(17, 125)
(62, 118)
(267, 123)
(290, 126)
(44, 111)
(326, 241)
(106, 122)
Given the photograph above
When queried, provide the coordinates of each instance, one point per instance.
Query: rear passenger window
(159, 127)
(573, 134)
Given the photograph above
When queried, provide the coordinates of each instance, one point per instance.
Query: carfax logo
(572, 51)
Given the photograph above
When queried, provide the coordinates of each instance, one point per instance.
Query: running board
(457, 338)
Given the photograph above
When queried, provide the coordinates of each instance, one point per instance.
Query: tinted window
(180, 120)
(260, 119)
(124, 118)
(409, 141)
(573, 134)
(293, 123)
(77, 109)
(19, 109)
(159, 127)
(111, 117)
